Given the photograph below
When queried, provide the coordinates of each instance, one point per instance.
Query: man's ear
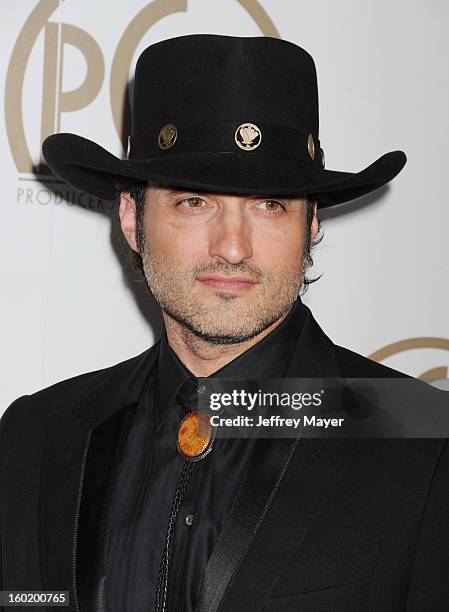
(315, 225)
(127, 214)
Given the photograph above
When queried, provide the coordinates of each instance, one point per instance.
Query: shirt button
(189, 520)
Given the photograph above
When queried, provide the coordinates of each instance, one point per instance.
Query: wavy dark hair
(137, 190)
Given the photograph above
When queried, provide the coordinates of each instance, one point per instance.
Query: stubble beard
(233, 319)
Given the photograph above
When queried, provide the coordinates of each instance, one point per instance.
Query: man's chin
(229, 332)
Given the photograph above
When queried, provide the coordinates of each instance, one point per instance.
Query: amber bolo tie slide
(194, 441)
(195, 437)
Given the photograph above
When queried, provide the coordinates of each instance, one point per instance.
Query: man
(102, 496)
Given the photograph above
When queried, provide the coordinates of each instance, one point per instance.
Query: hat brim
(87, 166)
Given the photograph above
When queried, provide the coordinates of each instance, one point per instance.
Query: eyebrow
(179, 191)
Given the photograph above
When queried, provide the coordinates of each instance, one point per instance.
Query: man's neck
(202, 357)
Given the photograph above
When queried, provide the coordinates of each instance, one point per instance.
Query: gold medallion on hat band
(311, 146)
(167, 136)
(195, 436)
(248, 136)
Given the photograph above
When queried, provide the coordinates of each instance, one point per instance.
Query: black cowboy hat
(223, 114)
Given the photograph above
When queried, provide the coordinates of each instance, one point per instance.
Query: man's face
(224, 266)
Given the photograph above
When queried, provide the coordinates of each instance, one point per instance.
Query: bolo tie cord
(162, 581)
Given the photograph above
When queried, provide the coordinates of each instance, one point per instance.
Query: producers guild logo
(435, 375)
(55, 100)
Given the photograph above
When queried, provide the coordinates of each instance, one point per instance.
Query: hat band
(247, 139)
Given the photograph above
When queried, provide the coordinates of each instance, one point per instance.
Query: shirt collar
(266, 359)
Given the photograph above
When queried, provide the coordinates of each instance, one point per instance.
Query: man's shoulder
(355, 365)
(64, 394)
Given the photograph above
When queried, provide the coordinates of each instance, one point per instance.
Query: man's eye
(271, 205)
(193, 202)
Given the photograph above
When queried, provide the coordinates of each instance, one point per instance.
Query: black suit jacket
(317, 525)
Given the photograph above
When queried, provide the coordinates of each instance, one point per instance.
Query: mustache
(230, 269)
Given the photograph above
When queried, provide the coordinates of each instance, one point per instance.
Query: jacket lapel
(62, 464)
(314, 468)
(264, 515)
(81, 452)
(106, 445)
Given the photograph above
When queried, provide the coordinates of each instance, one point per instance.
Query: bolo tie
(194, 441)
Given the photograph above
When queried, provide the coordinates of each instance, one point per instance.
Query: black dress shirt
(149, 472)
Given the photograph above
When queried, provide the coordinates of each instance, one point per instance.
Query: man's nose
(230, 234)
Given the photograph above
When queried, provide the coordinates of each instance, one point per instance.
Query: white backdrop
(69, 305)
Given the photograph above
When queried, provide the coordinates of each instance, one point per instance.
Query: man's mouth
(227, 283)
